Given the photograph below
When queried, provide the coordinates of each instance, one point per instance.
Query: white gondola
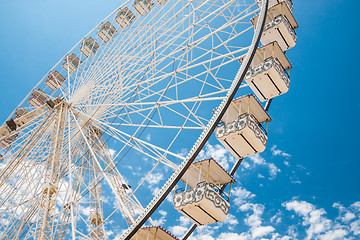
(142, 6)
(203, 204)
(23, 116)
(106, 32)
(241, 132)
(153, 233)
(71, 63)
(280, 26)
(124, 17)
(5, 143)
(4, 131)
(38, 98)
(267, 77)
(55, 80)
(274, 2)
(89, 47)
(20, 112)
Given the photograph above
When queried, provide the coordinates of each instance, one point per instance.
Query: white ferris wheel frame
(199, 144)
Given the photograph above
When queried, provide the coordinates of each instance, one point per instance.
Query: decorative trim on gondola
(197, 194)
(240, 124)
(265, 66)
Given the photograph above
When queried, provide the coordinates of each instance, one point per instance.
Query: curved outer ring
(174, 179)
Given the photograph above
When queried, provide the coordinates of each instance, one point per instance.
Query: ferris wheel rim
(220, 111)
(208, 129)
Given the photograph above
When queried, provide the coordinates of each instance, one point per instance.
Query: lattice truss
(163, 75)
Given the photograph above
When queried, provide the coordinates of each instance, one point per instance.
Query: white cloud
(348, 217)
(356, 206)
(355, 227)
(262, 231)
(178, 230)
(231, 220)
(273, 170)
(231, 236)
(276, 152)
(318, 225)
(109, 233)
(85, 210)
(277, 236)
(110, 152)
(254, 212)
(276, 218)
(184, 221)
(334, 234)
(254, 219)
(202, 237)
(219, 153)
(258, 160)
(240, 195)
(260, 175)
(161, 220)
(154, 178)
(204, 233)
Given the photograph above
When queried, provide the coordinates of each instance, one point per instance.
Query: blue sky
(306, 184)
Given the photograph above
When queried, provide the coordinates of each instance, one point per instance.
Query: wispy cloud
(319, 226)
(154, 178)
(277, 152)
(258, 160)
(219, 153)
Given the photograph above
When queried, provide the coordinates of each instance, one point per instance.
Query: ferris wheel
(115, 127)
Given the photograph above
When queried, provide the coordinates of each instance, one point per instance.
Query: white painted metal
(268, 80)
(142, 6)
(279, 30)
(89, 47)
(38, 98)
(279, 9)
(203, 205)
(4, 131)
(153, 59)
(270, 50)
(153, 233)
(71, 64)
(5, 143)
(21, 112)
(55, 80)
(206, 171)
(29, 116)
(124, 17)
(243, 137)
(280, 25)
(106, 32)
(245, 105)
